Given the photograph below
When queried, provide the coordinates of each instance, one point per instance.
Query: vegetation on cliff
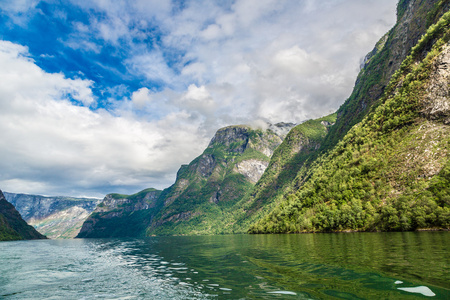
(379, 163)
(391, 170)
(298, 150)
(121, 215)
(12, 226)
(413, 19)
(206, 190)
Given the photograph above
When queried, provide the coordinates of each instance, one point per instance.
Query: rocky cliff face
(413, 19)
(298, 150)
(436, 103)
(122, 215)
(391, 171)
(12, 226)
(209, 186)
(56, 217)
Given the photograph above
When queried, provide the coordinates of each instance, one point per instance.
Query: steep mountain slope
(55, 217)
(12, 226)
(298, 149)
(413, 19)
(122, 215)
(391, 171)
(205, 190)
(380, 163)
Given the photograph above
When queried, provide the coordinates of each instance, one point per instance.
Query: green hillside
(12, 226)
(298, 150)
(391, 170)
(121, 215)
(206, 190)
(413, 19)
(379, 163)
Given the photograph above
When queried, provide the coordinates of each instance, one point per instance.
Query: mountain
(12, 226)
(122, 215)
(391, 170)
(379, 163)
(413, 19)
(204, 194)
(55, 217)
(299, 148)
(200, 200)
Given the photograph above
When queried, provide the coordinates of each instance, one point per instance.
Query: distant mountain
(12, 226)
(56, 217)
(122, 215)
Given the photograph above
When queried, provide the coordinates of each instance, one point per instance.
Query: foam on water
(424, 290)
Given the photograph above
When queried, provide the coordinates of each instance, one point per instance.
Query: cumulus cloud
(56, 147)
(141, 97)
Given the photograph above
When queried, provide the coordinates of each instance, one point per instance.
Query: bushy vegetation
(6, 232)
(378, 176)
(384, 61)
(12, 226)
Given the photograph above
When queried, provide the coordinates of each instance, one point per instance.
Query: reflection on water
(308, 266)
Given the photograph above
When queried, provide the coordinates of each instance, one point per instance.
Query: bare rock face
(436, 103)
(64, 224)
(230, 136)
(206, 165)
(252, 169)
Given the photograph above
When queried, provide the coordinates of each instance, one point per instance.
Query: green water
(412, 265)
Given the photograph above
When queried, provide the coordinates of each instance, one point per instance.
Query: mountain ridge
(384, 173)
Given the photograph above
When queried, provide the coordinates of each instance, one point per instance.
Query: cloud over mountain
(115, 95)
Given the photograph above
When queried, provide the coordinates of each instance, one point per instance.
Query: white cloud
(296, 61)
(197, 99)
(141, 97)
(211, 64)
(66, 149)
(290, 56)
(152, 65)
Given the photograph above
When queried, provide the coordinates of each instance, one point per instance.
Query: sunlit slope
(413, 19)
(391, 170)
(298, 150)
(203, 197)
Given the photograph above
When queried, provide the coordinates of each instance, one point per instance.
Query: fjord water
(410, 265)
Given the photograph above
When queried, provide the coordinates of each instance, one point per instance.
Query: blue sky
(113, 96)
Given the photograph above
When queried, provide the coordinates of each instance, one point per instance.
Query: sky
(106, 96)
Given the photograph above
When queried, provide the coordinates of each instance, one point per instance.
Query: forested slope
(390, 171)
(203, 198)
(12, 226)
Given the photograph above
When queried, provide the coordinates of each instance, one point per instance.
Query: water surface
(412, 265)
